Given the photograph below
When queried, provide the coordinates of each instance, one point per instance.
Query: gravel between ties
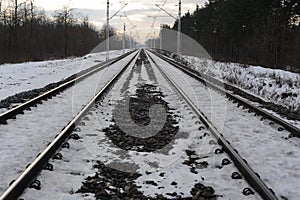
(109, 183)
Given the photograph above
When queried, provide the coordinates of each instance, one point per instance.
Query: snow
(188, 138)
(16, 78)
(268, 151)
(273, 85)
(53, 183)
(24, 137)
(94, 145)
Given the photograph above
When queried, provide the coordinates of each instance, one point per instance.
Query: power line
(107, 26)
(179, 24)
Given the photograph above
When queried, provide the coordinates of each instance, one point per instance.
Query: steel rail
(20, 108)
(251, 177)
(289, 127)
(20, 184)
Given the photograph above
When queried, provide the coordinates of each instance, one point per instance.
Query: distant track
(249, 174)
(11, 113)
(27, 176)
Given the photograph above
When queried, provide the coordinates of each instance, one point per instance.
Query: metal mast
(107, 27)
(179, 29)
(161, 36)
(179, 24)
(107, 31)
(124, 30)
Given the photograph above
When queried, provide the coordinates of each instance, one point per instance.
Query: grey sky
(137, 12)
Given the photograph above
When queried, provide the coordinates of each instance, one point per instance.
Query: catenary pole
(130, 40)
(124, 29)
(107, 31)
(154, 39)
(179, 24)
(108, 27)
(161, 37)
(179, 29)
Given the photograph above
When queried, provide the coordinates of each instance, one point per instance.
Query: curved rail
(293, 129)
(18, 186)
(20, 108)
(240, 163)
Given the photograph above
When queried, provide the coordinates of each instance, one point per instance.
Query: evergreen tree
(264, 32)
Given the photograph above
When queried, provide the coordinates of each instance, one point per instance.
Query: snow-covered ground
(16, 78)
(269, 152)
(27, 135)
(95, 145)
(273, 85)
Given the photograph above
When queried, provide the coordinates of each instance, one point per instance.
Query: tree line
(26, 33)
(264, 32)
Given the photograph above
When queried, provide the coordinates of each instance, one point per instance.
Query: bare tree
(65, 18)
(31, 11)
(26, 33)
(15, 12)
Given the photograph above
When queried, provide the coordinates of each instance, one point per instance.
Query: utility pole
(154, 39)
(153, 23)
(161, 37)
(130, 38)
(179, 29)
(130, 35)
(179, 24)
(107, 31)
(107, 27)
(124, 30)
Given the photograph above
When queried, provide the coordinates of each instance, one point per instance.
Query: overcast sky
(136, 10)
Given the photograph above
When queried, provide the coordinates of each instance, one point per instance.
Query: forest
(28, 34)
(256, 32)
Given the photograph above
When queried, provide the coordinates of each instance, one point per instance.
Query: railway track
(55, 114)
(106, 152)
(219, 86)
(242, 165)
(245, 122)
(19, 109)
